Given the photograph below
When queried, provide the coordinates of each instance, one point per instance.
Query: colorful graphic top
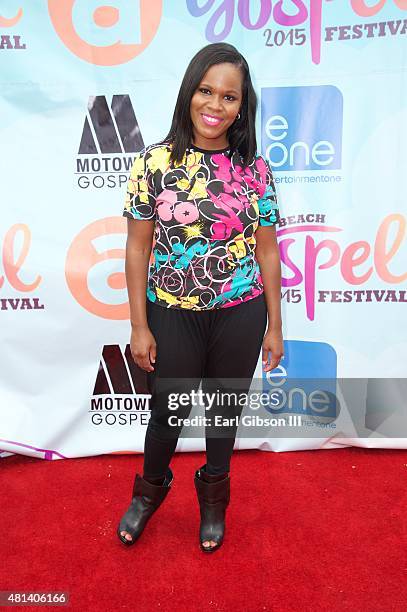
(206, 212)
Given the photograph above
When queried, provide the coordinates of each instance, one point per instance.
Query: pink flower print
(262, 184)
(165, 204)
(186, 213)
(262, 168)
(235, 186)
(249, 179)
(223, 172)
(167, 208)
(235, 178)
(246, 178)
(231, 177)
(223, 228)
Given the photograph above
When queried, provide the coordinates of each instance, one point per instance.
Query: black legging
(209, 345)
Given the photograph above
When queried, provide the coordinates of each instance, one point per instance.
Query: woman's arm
(138, 251)
(268, 257)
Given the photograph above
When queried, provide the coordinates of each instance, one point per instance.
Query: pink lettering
(360, 8)
(381, 256)
(12, 267)
(285, 258)
(312, 251)
(350, 261)
(352, 256)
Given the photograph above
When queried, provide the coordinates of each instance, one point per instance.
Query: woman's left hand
(272, 343)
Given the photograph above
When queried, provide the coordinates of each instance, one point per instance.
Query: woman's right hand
(143, 348)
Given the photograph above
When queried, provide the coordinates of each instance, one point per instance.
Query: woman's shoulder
(154, 149)
(260, 157)
(261, 163)
(152, 158)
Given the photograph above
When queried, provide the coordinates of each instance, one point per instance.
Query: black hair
(242, 132)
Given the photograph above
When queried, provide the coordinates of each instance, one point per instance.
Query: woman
(199, 308)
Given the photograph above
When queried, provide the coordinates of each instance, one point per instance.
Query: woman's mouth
(211, 120)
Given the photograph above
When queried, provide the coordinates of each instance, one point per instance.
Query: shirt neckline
(210, 151)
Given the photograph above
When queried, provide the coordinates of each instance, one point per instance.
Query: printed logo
(121, 395)
(94, 273)
(296, 135)
(106, 35)
(8, 41)
(310, 248)
(108, 134)
(16, 247)
(6, 22)
(114, 129)
(305, 381)
(280, 22)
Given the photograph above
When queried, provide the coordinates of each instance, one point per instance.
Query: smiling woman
(199, 307)
(215, 105)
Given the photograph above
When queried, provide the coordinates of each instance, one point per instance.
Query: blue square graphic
(305, 380)
(301, 127)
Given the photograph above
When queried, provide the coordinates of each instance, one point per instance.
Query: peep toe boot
(147, 497)
(213, 496)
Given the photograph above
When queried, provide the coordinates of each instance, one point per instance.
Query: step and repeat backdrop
(85, 84)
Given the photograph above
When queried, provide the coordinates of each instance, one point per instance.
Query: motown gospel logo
(120, 396)
(110, 137)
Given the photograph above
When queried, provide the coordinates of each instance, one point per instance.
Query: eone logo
(305, 381)
(106, 35)
(302, 127)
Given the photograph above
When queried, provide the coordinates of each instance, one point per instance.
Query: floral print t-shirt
(206, 211)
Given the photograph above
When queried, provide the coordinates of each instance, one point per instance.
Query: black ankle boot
(206, 477)
(147, 497)
(213, 495)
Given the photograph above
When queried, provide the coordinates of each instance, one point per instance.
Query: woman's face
(215, 104)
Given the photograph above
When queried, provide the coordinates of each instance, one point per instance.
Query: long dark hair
(242, 132)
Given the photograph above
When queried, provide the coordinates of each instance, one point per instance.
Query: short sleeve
(267, 202)
(140, 197)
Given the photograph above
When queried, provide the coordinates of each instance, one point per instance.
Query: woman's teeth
(211, 120)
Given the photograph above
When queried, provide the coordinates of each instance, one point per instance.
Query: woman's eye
(207, 91)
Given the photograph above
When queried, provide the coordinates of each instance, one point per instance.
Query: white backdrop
(83, 87)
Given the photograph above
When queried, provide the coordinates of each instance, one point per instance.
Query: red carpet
(316, 530)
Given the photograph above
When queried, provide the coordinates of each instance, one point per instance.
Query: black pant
(212, 346)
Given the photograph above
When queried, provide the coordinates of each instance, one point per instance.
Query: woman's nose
(215, 103)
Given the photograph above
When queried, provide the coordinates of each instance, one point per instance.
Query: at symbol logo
(110, 130)
(10, 22)
(119, 32)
